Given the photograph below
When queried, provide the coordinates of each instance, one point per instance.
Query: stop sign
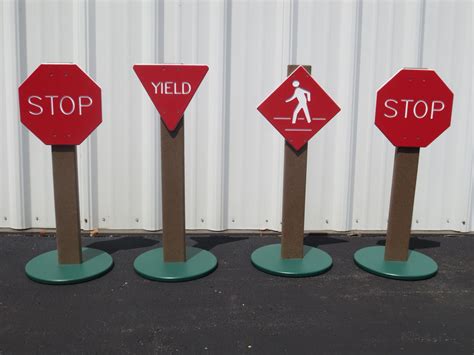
(60, 104)
(413, 108)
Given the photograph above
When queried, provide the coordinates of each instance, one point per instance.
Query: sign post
(172, 181)
(298, 109)
(171, 88)
(413, 108)
(61, 105)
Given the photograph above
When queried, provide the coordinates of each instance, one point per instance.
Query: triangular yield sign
(171, 87)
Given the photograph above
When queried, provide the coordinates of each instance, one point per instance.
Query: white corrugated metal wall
(234, 158)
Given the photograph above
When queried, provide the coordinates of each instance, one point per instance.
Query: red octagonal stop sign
(60, 104)
(413, 108)
(298, 108)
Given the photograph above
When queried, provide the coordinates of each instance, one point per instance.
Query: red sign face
(60, 104)
(171, 87)
(413, 108)
(298, 108)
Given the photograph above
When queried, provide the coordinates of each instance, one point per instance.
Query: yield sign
(298, 108)
(171, 87)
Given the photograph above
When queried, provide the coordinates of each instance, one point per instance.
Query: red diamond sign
(171, 87)
(298, 108)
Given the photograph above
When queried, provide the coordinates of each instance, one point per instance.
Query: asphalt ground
(238, 309)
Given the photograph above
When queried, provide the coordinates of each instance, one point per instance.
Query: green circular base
(417, 267)
(268, 259)
(45, 268)
(198, 263)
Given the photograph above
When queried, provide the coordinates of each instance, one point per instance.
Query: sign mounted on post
(413, 108)
(298, 108)
(171, 87)
(60, 104)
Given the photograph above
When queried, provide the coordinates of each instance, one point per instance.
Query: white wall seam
(354, 118)
(421, 40)
(227, 38)
(22, 145)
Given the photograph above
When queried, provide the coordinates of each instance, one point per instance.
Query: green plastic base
(417, 267)
(268, 259)
(45, 268)
(198, 263)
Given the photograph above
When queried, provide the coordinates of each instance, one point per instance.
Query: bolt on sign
(171, 87)
(413, 108)
(298, 108)
(60, 104)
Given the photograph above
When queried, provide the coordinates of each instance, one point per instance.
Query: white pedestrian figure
(303, 96)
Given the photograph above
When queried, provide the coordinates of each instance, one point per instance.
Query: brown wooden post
(294, 192)
(66, 201)
(172, 180)
(402, 198)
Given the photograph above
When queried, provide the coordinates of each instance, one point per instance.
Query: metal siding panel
(234, 158)
(260, 54)
(49, 35)
(201, 31)
(389, 38)
(122, 32)
(327, 36)
(445, 174)
(86, 153)
(12, 191)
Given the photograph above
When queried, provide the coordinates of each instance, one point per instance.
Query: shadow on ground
(417, 243)
(317, 239)
(125, 243)
(237, 309)
(210, 242)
